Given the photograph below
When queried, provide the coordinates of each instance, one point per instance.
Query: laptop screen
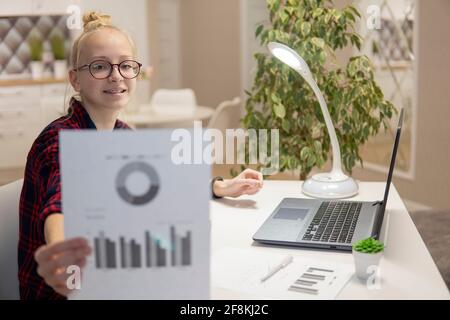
(380, 217)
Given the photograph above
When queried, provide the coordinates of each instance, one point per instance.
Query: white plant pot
(59, 69)
(366, 263)
(37, 69)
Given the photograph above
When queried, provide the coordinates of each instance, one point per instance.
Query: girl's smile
(117, 91)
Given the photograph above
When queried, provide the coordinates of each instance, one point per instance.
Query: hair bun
(93, 20)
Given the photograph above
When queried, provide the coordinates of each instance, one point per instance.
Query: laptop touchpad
(291, 213)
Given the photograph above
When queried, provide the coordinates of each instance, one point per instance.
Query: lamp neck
(337, 169)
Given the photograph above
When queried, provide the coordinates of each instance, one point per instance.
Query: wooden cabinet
(15, 8)
(52, 102)
(51, 6)
(35, 7)
(24, 112)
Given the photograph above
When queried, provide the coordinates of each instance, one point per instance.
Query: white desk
(148, 118)
(407, 269)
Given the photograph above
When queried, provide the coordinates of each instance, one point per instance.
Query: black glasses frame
(111, 69)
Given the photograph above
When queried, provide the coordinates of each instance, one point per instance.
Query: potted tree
(367, 253)
(59, 62)
(36, 48)
(281, 99)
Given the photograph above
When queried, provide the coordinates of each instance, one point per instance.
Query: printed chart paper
(146, 217)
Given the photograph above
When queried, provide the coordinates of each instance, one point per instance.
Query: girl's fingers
(252, 191)
(46, 252)
(249, 173)
(250, 182)
(58, 281)
(261, 178)
(81, 263)
(62, 261)
(248, 189)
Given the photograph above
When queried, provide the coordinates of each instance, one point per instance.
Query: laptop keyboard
(335, 221)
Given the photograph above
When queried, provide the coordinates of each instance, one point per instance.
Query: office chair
(223, 117)
(174, 101)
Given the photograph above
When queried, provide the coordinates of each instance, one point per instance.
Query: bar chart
(173, 250)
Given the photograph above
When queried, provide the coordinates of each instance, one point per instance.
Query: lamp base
(329, 186)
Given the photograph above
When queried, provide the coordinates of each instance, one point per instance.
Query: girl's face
(113, 92)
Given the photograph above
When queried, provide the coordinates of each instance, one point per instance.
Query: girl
(103, 73)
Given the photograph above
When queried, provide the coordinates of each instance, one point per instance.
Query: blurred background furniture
(148, 118)
(9, 237)
(174, 101)
(223, 116)
(169, 108)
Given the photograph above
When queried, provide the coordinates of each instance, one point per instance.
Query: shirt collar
(82, 116)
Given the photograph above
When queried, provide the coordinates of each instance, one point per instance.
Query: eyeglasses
(102, 69)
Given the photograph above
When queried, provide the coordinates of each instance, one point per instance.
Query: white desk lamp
(334, 184)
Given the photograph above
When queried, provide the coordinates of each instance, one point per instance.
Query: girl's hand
(53, 260)
(247, 182)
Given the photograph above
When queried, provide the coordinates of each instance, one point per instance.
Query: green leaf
(305, 28)
(279, 110)
(275, 98)
(258, 30)
(347, 127)
(305, 153)
(322, 57)
(355, 11)
(286, 125)
(290, 10)
(311, 160)
(318, 146)
(317, 12)
(284, 16)
(318, 42)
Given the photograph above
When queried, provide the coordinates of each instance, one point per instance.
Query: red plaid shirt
(41, 196)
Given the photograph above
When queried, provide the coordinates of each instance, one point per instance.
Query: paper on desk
(242, 269)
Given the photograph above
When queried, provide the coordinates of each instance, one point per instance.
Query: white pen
(277, 268)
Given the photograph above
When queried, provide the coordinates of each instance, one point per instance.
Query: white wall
(128, 15)
(210, 50)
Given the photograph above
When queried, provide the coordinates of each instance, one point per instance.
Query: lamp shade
(290, 58)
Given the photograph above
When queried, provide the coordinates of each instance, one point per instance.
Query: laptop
(327, 224)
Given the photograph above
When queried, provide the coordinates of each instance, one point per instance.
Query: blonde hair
(92, 22)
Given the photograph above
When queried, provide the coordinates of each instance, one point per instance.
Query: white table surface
(407, 270)
(149, 118)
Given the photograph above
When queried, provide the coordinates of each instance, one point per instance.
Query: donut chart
(148, 171)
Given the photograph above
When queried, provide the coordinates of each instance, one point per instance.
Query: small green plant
(369, 245)
(36, 48)
(58, 50)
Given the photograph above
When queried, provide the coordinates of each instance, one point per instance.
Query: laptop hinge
(374, 232)
(377, 203)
